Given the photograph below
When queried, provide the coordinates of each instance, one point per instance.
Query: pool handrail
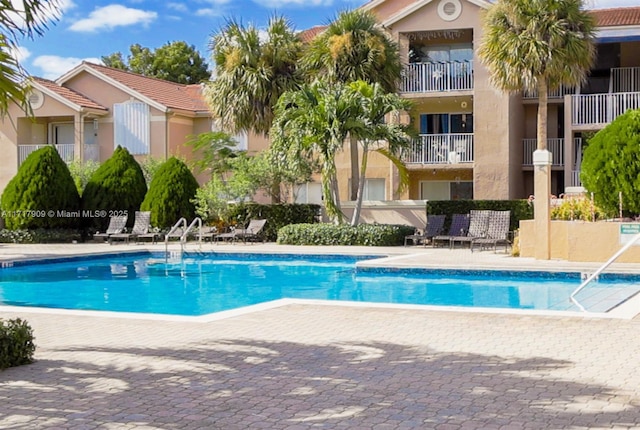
(595, 274)
(183, 238)
(181, 221)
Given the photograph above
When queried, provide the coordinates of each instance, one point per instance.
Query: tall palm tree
(354, 47)
(252, 70)
(388, 138)
(314, 121)
(538, 45)
(18, 19)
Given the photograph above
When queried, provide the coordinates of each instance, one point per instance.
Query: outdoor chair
(478, 224)
(497, 232)
(209, 233)
(253, 231)
(434, 226)
(140, 228)
(459, 226)
(117, 223)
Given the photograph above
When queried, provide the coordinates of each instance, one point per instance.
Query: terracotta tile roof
(615, 17)
(309, 34)
(69, 94)
(169, 94)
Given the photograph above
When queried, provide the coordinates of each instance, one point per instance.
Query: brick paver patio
(307, 366)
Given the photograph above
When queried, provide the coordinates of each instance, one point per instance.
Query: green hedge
(520, 209)
(41, 236)
(344, 234)
(16, 343)
(277, 216)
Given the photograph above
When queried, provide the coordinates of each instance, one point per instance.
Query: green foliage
(277, 216)
(581, 209)
(171, 194)
(41, 236)
(342, 234)
(150, 166)
(215, 149)
(611, 164)
(42, 187)
(211, 201)
(16, 343)
(174, 61)
(117, 185)
(81, 172)
(520, 209)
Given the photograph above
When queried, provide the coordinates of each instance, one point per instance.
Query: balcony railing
(66, 151)
(601, 108)
(554, 145)
(625, 79)
(558, 93)
(437, 77)
(575, 179)
(450, 148)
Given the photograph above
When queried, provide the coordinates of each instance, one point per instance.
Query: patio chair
(434, 226)
(253, 231)
(117, 224)
(497, 232)
(209, 233)
(140, 228)
(478, 224)
(459, 226)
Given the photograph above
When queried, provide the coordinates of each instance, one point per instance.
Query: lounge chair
(253, 231)
(140, 228)
(478, 224)
(117, 223)
(459, 226)
(497, 232)
(434, 226)
(209, 233)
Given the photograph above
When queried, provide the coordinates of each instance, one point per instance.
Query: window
(446, 190)
(444, 123)
(131, 127)
(311, 192)
(446, 53)
(374, 189)
(242, 141)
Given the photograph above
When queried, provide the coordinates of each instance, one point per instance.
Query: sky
(90, 29)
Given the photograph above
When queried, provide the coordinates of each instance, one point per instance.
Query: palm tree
(252, 71)
(354, 47)
(388, 138)
(538, 45)
(18, 19)
(314, 121)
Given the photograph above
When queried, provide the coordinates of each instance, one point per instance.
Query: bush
(81, 172)
(117, 185)
(343, 234)
(16, 343)
(41, 236)
(520, 209)
(42, 187)
(581, 209)
(171, 194)
(277, 215)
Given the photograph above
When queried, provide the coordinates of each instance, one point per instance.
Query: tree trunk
(355, 180)
(542, 115)
(355, 219)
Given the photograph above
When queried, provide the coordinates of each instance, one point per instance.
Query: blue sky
(90, 29)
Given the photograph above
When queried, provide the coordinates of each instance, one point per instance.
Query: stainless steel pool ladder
(183, 239)
(182, 222)
(597, 273)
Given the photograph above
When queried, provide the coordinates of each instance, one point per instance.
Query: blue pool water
(209, 283)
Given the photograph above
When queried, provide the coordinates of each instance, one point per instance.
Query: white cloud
(284, 3)
(47, 13)
(53, 66)
(112, 16)
(20, 53)
(178, 7)
(602, 4)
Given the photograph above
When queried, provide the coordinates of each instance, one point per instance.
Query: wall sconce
(433, 172)
(95, 125)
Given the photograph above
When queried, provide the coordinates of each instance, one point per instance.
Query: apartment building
(474, 140)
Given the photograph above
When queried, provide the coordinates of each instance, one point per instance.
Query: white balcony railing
(450, 148)
(601, 108)
(554, 145)
(437, 77)
(558, 93)
(625, 79)
(66, 151)
(575, 179)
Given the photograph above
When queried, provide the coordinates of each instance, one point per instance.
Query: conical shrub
(171, 194)
(42, 194)
(117, 187)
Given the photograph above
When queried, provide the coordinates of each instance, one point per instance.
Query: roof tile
(69, 94)
(615, 17)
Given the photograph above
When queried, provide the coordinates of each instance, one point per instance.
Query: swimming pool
(213, 282)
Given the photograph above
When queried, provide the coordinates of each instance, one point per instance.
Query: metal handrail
(181, 221)
(183, 238)
(595, 274)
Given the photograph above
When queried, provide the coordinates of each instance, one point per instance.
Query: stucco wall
(579, 241)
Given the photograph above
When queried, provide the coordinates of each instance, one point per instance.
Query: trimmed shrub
(520, 209)
(171, 194)
(117, 185)
(41, 193)
(582, 209)
(344, 234)
(41, 236)
(277, 215)
(16, 343)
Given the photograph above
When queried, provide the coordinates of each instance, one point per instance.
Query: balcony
(600, 109)
(66, 151)
(557, 94)
(554, 145)
(453, 148)
(437, 77)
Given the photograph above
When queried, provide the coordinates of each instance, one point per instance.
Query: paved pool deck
(301, 366)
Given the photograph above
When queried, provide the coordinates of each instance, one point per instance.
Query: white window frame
(445, 191)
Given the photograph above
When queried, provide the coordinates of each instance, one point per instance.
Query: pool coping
(628, 309)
